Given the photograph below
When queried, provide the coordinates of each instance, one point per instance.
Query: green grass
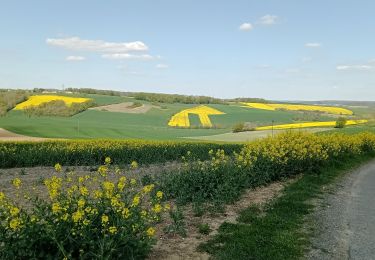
(278, 232)
(151, 125)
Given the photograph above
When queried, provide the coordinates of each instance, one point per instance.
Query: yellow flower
(143, 213)
(134, 165)
(107, 160)
(56, 207)
(159, 194)
(98, 194)
(65, 216)
(167, 207)
(150, 231)
(133, 181)
(81, 203)
(103, 170)
(157, 208)
(2, 196)
(17, 183)
(84, 191)
(58, 167)
(86, 222)
(148, 188)
(112, 230)
(125, 213)
(105, 219)
(14, 211)
(136, 201)
(81, 179)
(15, 223)
(77, 216)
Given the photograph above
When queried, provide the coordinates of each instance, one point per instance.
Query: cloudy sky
(290, 49)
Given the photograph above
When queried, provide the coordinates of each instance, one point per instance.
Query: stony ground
(344, 221)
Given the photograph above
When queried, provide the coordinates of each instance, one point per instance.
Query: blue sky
(271, 49)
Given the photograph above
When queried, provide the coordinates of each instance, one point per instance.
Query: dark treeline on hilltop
(150, 97)
(176, 98)
(164, 98)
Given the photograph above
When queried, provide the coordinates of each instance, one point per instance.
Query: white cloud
(78, 44)
(360, 67)
(246, 27)
(75, 58)
(268, 19)
(313, 45)
(306, 59)
(127, 56)
(372, 61)
(161, 66)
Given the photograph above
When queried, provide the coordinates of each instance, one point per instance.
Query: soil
(125, 108)
(174, 247)
(6, 135)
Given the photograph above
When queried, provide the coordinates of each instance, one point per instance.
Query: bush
(57, 108)
(223, 177)
(85, 217)
(341, 122)
(239, 127)
(93, 152)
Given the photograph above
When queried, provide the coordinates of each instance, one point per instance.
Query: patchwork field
(118, 117)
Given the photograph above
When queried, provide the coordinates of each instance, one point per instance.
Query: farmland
(153, 179)
(158, 121)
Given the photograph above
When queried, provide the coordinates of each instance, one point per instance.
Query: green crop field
(151, 125)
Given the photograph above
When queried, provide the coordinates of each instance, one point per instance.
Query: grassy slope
(152, 125)
(277, 233)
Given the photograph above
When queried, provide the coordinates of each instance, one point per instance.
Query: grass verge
(276, 233)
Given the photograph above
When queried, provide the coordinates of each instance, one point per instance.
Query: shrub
(100, 216)
(239, 127)
(341, 122)
(57, 108)
(93, 152)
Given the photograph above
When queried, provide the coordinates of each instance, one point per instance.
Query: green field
(151, 125)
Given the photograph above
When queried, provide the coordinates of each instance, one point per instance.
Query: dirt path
(6, 135)
(345, 219)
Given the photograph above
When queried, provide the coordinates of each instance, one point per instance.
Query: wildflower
(86, 222)
(157, 208)
(98, 194)
(136, 201)
(143, 213)
(133, 181)
(17, 183)
(167, 207)
(148, 188)
(2, 196)
(107, 160)
(150, 231)
(81, 203)
(134, 165)
(125, 213)
(56, 207)
(58, 167)
(84, 191)
(14, 211)
(103, 170)
(159, 194)
(112, 230)
(15, 223)
(65, 217)
(77, 216)
(105, 219)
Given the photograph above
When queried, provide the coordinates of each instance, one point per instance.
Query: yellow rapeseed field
(309, 124)
(325, 109)
(181, 119)
(40, 99)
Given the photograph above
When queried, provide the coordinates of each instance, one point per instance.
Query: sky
(274, 49)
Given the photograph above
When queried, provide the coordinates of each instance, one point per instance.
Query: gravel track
(344, 221)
